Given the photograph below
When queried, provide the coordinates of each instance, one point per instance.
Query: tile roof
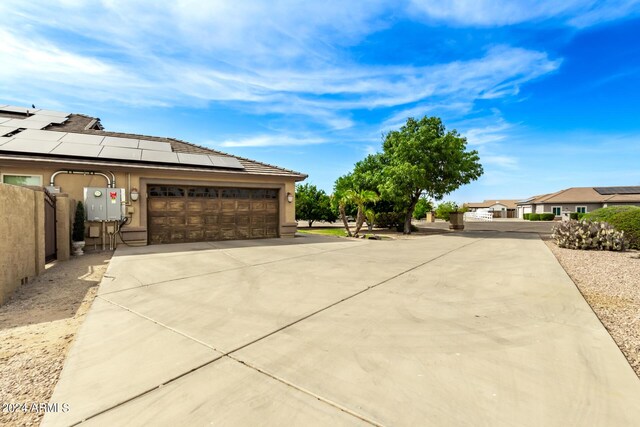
(582, 195)
(80, 123)
(509, 203)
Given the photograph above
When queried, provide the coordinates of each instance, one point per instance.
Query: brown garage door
(179, 214)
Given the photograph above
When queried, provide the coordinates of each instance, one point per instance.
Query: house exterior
(579, 199)
(499, 208)
(152, 190)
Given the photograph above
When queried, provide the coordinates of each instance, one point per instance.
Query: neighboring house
(499, 208)
(167, 190)
(579, 199)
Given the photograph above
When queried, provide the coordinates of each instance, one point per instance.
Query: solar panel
(14, 109)
(605, 191)
(79, 138)
(29, 146)
(145, 144)
(159, 156)
(43, 135)
(226, 162)
(120, 153)
(4, 140)
(51, 113)
(4, 130)
(81, 150)
(50, 119)
(112, 141)
(194, 159)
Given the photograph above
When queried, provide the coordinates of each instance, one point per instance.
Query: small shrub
(444, 209)
(588, 235)
(547, 217)
(534, 217)
(526, 216)
(78, 224)
(581, 215)
(629, 222)
(390, 220)
(577, 215)
(605, 214)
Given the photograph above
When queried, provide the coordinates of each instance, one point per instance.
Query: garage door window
(204, 192)
(166, 191)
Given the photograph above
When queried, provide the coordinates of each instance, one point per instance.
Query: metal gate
(49, 226)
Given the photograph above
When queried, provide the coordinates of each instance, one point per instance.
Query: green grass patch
(334, 231)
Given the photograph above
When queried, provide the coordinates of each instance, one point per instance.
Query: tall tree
(313, 205)
(422, 157)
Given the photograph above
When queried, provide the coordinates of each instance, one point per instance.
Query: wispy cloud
(268, 141)
(255, 57)
(490, 13)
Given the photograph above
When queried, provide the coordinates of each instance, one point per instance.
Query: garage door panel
(191, 214)
(227, 233)
(228, 206)
(211, 219)
(175, 206)
(175, 220)
(195, 220)
(243, 206)
(243, 220)
(242, 233)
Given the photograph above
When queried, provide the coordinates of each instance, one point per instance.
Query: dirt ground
(37, 327)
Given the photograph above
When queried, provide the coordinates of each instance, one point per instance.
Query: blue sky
(548, 92)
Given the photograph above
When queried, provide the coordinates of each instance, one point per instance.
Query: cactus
(588, 235)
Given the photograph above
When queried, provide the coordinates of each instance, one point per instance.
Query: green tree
(423, 158)
(358, 199)
(444, 209)
(422, 207)
(78, 224)
(313, 205)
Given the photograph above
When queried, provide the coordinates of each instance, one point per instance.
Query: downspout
(71, 172)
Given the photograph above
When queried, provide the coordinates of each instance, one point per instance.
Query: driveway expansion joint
(229, 353)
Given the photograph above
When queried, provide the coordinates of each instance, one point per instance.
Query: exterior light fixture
(289, 197)
(134, 194)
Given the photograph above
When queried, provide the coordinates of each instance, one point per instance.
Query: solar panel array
(107, 147)
(34, 118)
(605, 191)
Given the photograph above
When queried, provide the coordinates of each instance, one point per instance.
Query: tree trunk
(343, 215)
(310, 223)
(407, 218)
(359, 221)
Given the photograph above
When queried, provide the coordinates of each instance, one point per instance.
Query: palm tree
(360, 198)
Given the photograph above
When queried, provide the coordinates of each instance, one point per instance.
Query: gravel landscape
(37, 327)
(609, 282)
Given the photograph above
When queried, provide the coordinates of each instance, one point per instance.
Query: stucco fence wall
(22, 235)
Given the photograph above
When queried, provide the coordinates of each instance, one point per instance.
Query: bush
(577, 215)
(628, 221)
(526, 216)
(588, 235)
(78, 224)
(547, 217)
(422, 207)
(605, 214)
(444, 209)
(390, 220)
(534, 217)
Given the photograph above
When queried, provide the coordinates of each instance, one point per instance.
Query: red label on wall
(113, 195)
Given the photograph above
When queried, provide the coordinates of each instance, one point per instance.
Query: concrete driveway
(456, 329)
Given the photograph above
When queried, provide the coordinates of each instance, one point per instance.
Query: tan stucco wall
(22, 249)
(128, 178)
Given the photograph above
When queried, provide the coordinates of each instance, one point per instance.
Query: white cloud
(269, 141)
(260, 57)
(489, 13)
